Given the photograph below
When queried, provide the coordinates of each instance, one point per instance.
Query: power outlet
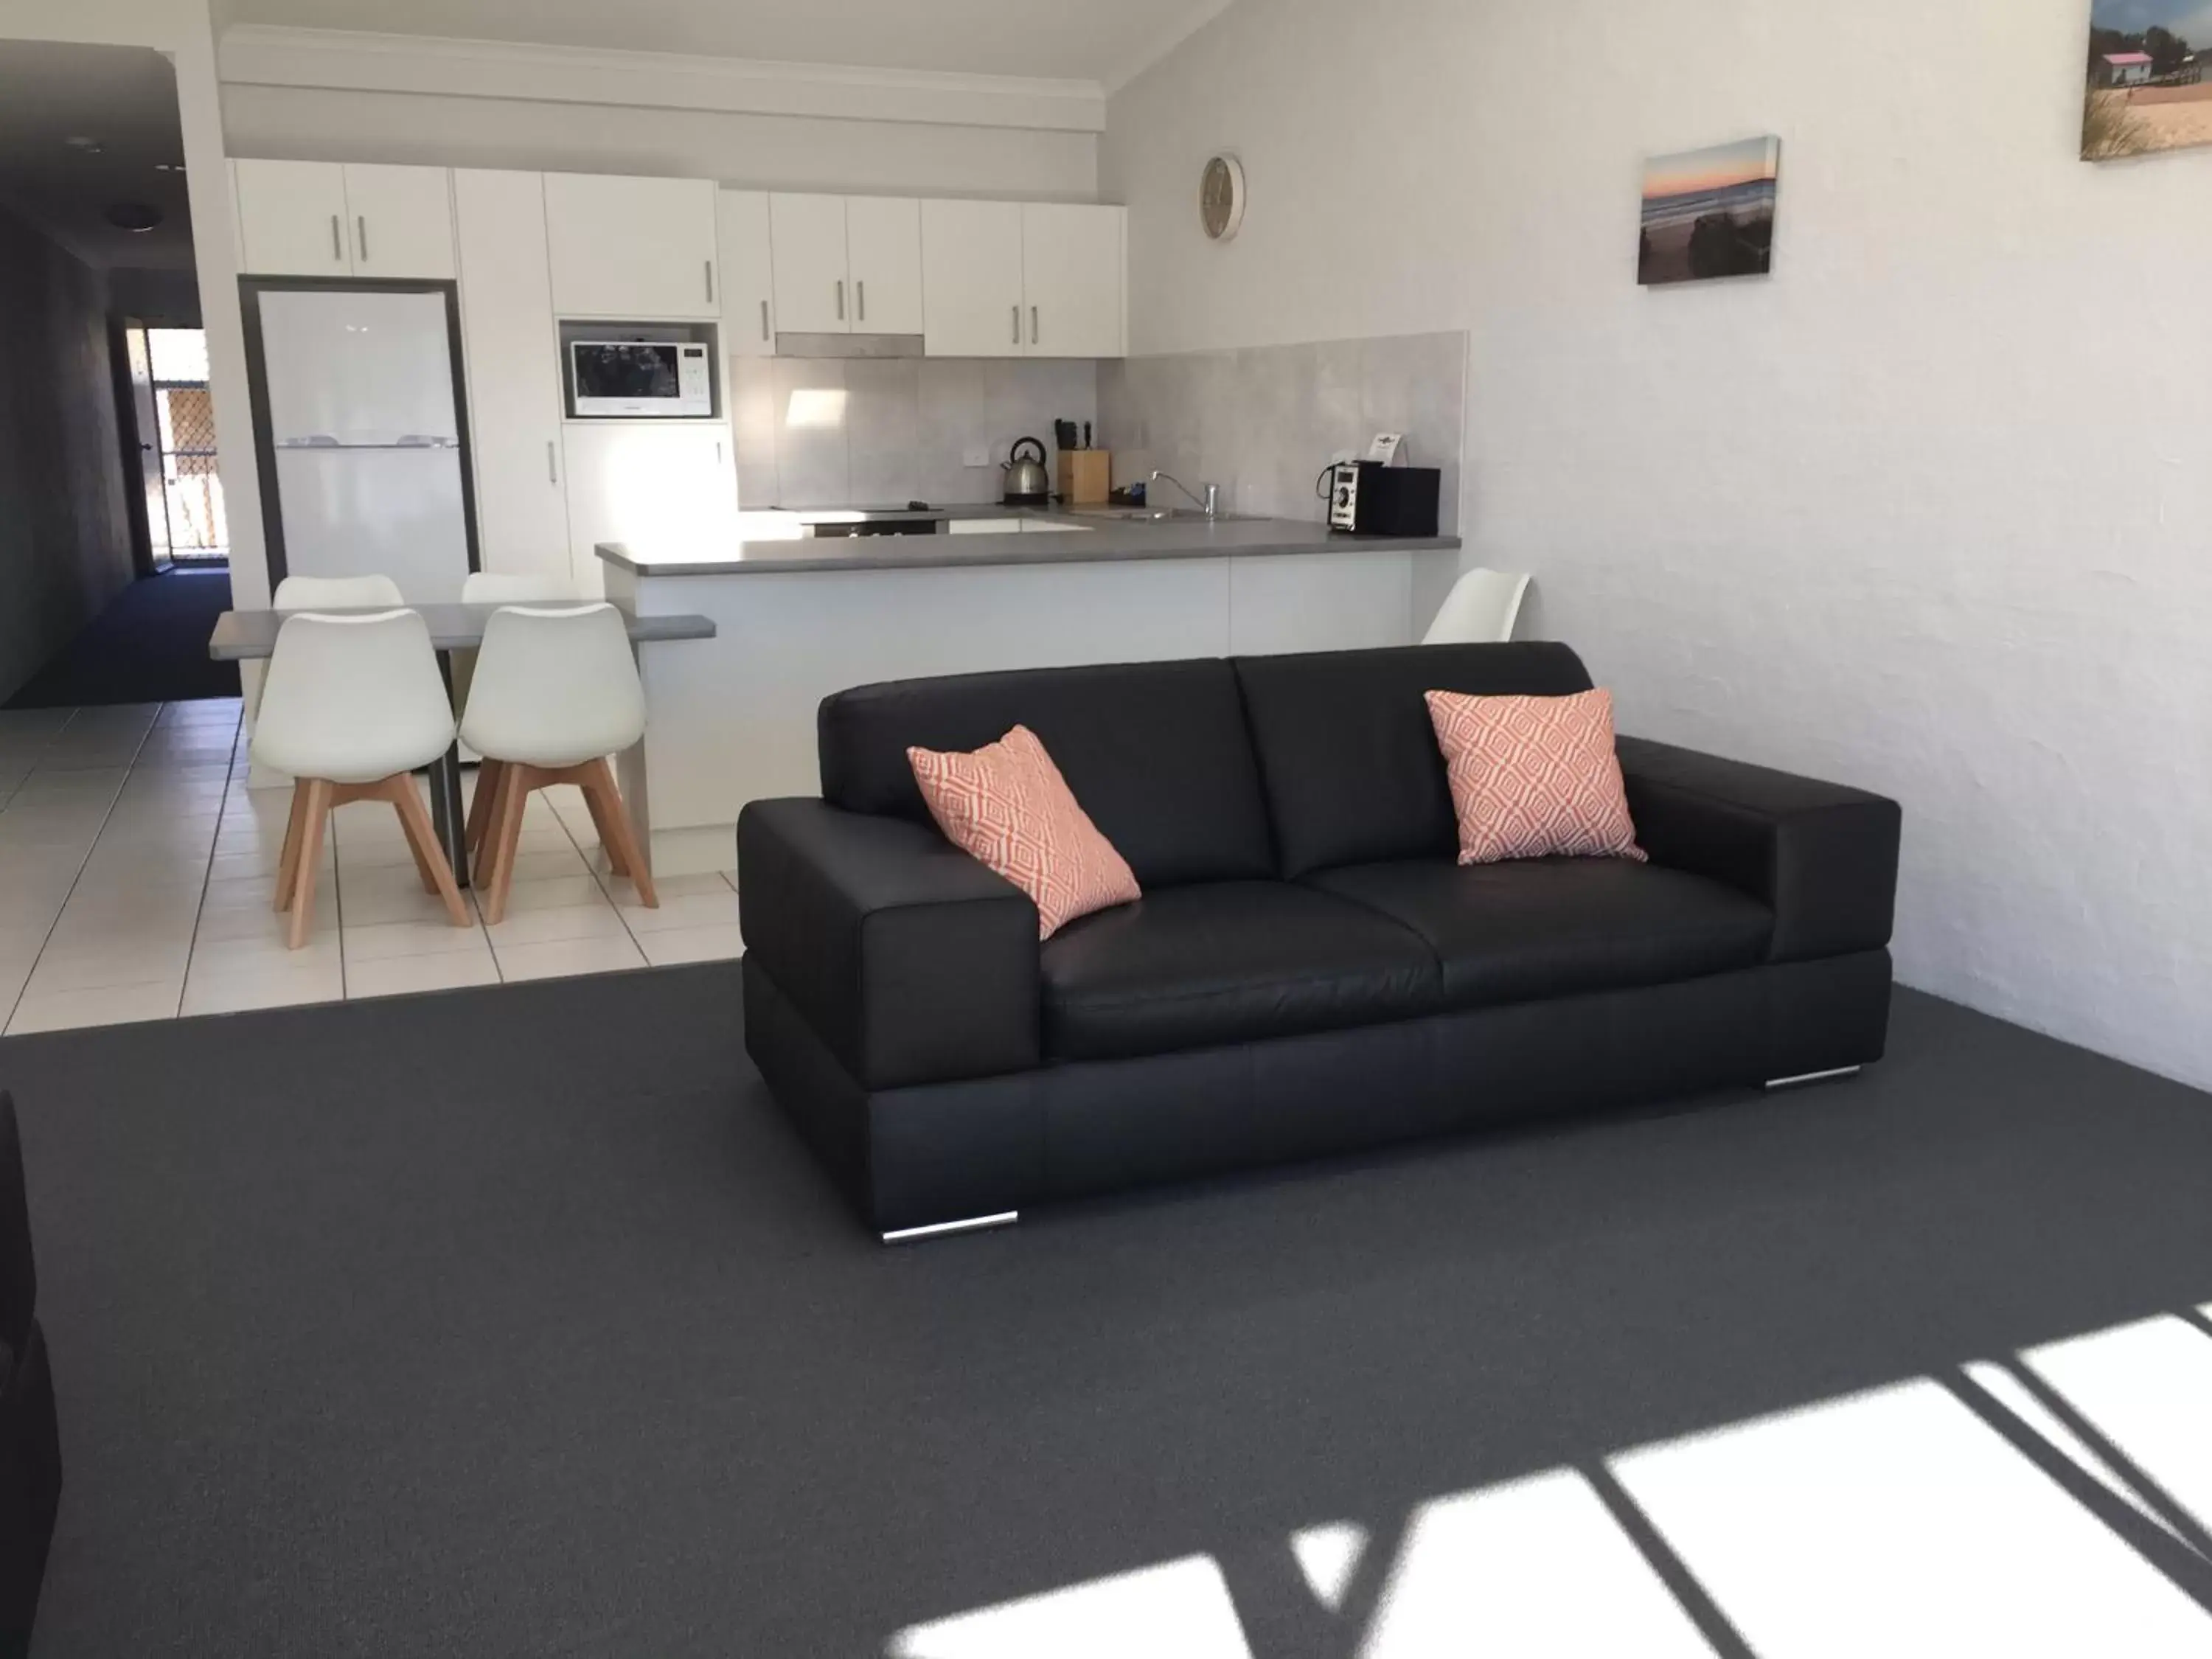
(976, 458)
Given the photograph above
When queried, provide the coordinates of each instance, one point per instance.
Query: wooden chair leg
(505, 833)
(487, 847)
(430, 857)
(287, 866)
(617, 831)
(609, 842)
(482, 803)
(392, 789)
(317, 813)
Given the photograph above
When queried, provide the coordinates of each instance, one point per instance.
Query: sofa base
(1804, 1080)
(974, 1224)
(923, 1156)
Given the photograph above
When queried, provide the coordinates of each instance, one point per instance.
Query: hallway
(149, 645)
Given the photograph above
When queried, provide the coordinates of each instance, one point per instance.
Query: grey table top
(1098, 537)
(250, 636)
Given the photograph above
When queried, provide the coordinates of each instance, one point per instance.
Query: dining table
(251, 637)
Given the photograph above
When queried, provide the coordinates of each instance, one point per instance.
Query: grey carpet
(149, 645)
(515, 1321)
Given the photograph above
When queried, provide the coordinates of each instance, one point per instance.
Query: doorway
(179, 481)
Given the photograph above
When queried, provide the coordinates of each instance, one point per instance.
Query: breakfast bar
(804, 605)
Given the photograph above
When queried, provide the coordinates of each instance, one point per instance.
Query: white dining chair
(351, 706)
(497, 587)
(336, 593)
(556, 692)
(1480, 609)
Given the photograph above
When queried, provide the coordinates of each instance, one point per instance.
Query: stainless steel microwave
(634, 378)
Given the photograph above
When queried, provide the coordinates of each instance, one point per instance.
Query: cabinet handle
(763, 319)
(551, 477)
(337, 248)
(841, 299)
(361, 222)
(1033, 325)
(710, 282)
(860, 289)
(1017, 324)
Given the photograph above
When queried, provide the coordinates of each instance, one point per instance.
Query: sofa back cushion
(1348, 755)
(1155, 753)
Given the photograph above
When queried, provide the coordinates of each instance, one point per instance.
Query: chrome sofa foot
(1812, 1077)
(944, 1229)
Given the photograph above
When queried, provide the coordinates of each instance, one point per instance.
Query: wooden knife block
(1085, 477)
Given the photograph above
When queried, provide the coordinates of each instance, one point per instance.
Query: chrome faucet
(1212, 503)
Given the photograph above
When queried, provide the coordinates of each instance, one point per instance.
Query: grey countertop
(1083, 535)
(251, 635)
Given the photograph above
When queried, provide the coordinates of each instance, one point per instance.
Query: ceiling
(125, 99)
(1096, 40)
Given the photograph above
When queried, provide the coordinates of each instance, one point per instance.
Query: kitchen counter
(798, 615)
(1083, 535)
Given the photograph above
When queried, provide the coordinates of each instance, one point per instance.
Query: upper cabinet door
(812, 293)
(883, 254)
(401, 219)
(748, 274)
(1072, 270)
(512, 353)
(292, 218)
(632, 248)
(971, 280)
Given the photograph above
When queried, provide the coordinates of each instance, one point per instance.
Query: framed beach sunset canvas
(1710, 213)
(2150, 78)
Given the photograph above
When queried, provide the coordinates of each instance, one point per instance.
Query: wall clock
(1221, 198)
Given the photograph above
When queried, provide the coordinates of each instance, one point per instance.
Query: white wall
(321, 94)
(1930, 510)
(779, 151)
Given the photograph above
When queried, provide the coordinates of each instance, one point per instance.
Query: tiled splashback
(1262, 421)
(856, 432)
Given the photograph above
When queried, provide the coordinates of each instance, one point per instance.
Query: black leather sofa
(30, 1441)
(1310, 970)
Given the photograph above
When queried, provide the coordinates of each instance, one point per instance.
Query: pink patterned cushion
(1532, 776)
(1006, 805)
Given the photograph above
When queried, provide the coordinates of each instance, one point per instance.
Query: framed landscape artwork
(1710, 213)
(2150, 77)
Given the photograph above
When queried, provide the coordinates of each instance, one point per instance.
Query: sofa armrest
(911, 961)
(1822, 856)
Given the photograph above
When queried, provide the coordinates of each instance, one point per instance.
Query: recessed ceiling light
(133, 216)
(88, 146)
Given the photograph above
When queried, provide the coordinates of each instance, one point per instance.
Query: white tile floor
(137, 872)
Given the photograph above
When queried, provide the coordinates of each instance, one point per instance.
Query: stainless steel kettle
(1027, 484)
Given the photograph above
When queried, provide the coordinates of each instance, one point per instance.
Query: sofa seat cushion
(1223, 962)
(1547, 927)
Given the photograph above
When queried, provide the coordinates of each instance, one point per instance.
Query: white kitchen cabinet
(292, 218)
(882, 255)
(631, 248)
(401, 219)
(747, 273)
(648, 483)
(971, 280)
(1072, 265)
(513, 352)
(325, 219)
(812, 291)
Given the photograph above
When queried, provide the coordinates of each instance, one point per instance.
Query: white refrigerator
(365, 430)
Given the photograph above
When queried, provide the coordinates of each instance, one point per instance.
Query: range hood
(848, 345)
